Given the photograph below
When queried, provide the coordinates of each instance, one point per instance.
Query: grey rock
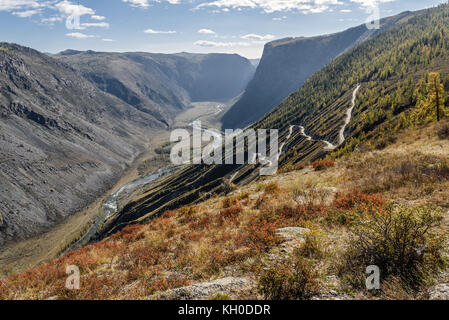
(204, 290)
(292, 233)
(439, 292)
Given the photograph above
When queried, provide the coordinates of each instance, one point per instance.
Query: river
(110, 206)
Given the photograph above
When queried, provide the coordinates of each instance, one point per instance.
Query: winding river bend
(110, 206)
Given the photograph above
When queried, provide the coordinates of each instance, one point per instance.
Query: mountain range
(163, 84)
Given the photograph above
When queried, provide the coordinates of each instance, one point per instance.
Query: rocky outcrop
(227, 286)
(439, 292)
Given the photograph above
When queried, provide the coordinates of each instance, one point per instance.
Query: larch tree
(435, 95)
(430, 98)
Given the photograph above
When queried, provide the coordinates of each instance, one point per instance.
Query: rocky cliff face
(62, 140)
(287, 63)
(163, 84)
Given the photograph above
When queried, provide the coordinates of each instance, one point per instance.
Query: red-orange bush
(356, 199)
(323, 164)
(231, 211)
(261, 233)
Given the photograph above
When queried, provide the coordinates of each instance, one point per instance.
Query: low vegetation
(323, 164)
(377, 207)
(401, 242)
(293, 281)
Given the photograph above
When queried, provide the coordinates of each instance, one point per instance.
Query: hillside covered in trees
(393, 70)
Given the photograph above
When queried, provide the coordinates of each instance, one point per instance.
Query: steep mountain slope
(163, 84)
(62, 140)
(389, 69)
(287, 63)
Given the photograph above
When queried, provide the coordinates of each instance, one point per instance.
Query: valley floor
(284, 237)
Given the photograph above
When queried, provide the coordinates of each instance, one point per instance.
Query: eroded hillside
(63, 141)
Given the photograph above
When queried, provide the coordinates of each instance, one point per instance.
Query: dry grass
(234, 235)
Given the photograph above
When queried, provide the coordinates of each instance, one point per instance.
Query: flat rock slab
(292, 233)
(204, 290)
(439, 292)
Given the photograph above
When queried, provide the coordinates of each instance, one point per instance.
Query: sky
(170, 26)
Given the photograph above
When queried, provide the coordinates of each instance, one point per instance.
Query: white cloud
(213, 44)
(98, 18)
(370, 3)
(253, 36)
(206, 31)
(68, 8)
(279, 18)
(138, 3)
(55, 10)
(79, 35)
(108, 40)
(51, 20)
(151, 31)
(346, 10)
(269, 6)
(95, 24)
(8, 5)
(26, 14)
(146, 3)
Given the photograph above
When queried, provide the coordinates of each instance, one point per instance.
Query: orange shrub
(166, 283)
(260, 201)
(169, 214)
(231, 211)
(130, 233)
(323, 164)
(200, 224)
(261, 234)
(356, 199)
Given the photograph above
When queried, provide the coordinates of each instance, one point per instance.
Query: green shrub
(289, 282)
(400, 241)
(312, 247)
